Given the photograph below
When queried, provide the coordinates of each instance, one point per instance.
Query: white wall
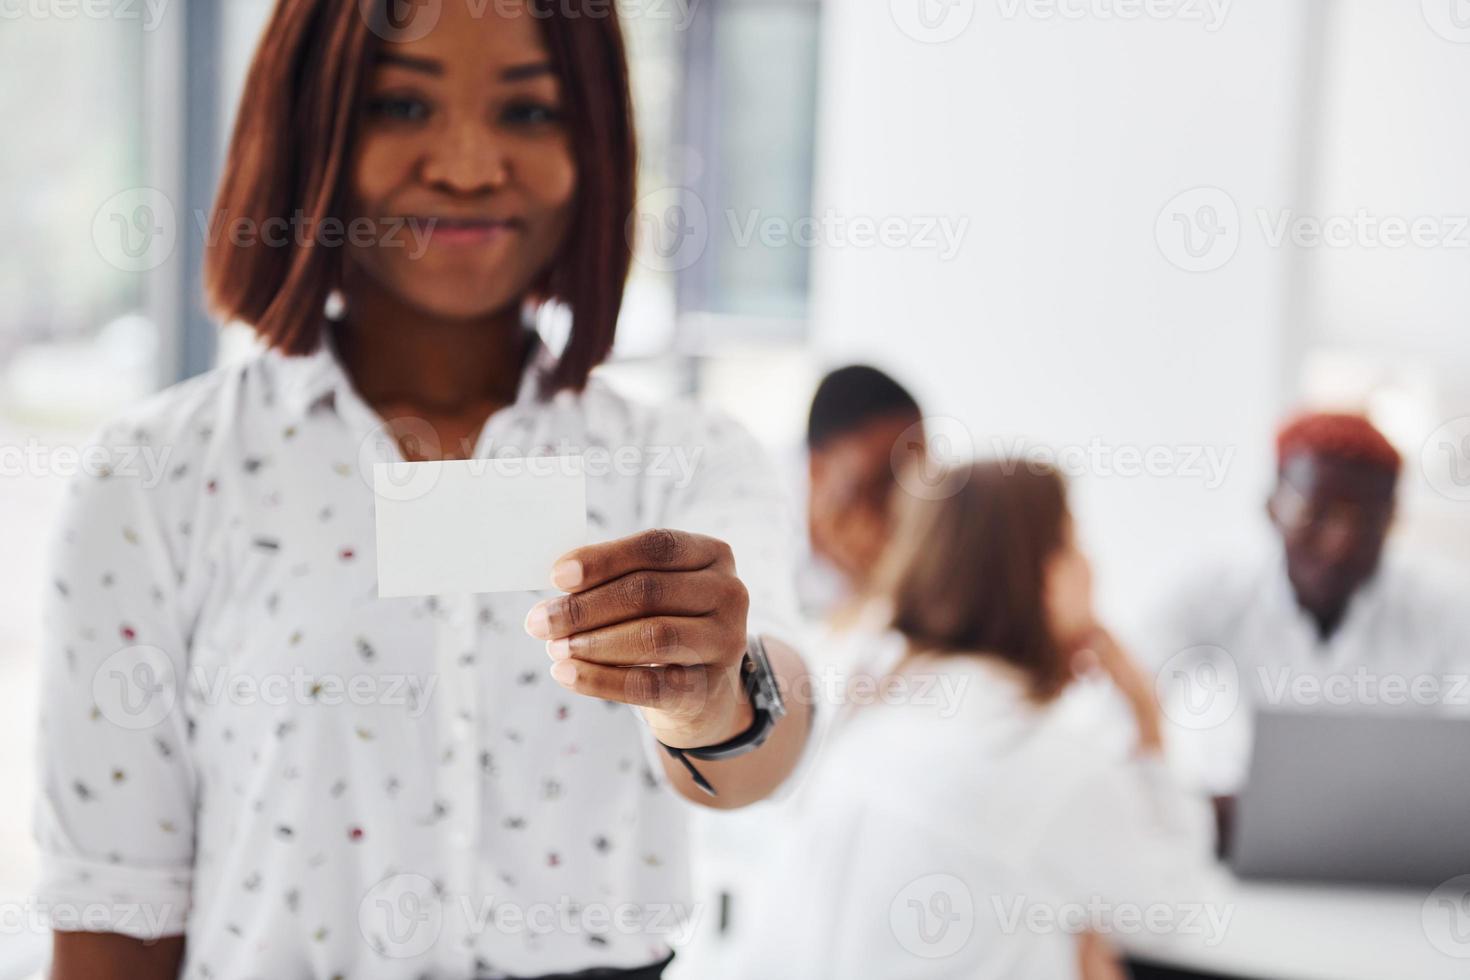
(1060, 319)
(1388, 320)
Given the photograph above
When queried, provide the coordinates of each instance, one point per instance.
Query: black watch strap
(759, 681)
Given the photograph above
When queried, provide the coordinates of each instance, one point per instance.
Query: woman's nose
(467, 159)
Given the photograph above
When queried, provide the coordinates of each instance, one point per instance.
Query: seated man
(858, 418)
(1328, 622)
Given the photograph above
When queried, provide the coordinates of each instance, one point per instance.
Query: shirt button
(461, 729)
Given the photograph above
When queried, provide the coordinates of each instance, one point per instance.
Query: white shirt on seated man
(1331, 621)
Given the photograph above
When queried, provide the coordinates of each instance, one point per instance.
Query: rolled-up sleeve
(115, 806)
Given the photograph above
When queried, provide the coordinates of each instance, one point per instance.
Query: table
(1295, 931)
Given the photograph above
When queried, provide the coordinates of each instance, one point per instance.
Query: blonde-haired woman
(958, 821)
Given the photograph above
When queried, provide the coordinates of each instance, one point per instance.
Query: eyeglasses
(1296, 512)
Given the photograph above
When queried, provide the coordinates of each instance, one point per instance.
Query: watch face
(764, 689)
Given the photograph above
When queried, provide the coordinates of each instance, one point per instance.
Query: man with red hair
(1329, 621)
(1333, 505)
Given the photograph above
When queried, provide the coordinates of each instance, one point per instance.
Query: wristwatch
(764, 693)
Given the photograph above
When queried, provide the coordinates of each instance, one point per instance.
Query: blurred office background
(1079, 225)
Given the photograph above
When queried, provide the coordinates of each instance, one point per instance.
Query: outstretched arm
(658, 620)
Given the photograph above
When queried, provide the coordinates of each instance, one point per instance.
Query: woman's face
(462, 149)
(1069, 592)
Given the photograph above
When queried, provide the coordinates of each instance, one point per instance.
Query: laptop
(1380, 799)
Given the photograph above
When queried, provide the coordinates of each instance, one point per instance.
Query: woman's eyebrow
(531, 69)
(515, 73)
(426, 65)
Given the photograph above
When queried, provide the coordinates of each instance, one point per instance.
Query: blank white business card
(476, 525)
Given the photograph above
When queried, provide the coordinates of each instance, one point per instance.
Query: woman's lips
(462, 232)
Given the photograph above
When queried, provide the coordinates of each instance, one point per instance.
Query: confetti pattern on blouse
(242, 743)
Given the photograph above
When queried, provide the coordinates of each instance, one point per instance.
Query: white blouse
(242, 742)
(949, 828)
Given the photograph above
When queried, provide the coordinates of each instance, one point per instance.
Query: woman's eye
(531, 114)
(397, 108)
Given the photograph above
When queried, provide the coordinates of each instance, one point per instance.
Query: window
(725, 207)
(74, 344)
(753, 119)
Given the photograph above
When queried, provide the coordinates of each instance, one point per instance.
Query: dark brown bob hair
(966, 571)
(296, 132)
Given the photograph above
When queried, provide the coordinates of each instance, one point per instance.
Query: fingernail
(564, 672)
(559, 649)
(566, 574)
(538, 623)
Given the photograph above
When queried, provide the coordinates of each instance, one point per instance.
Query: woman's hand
(657, 620)
(1101, 650)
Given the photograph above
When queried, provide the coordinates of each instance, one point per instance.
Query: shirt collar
(1360, 604)
(311, 378)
